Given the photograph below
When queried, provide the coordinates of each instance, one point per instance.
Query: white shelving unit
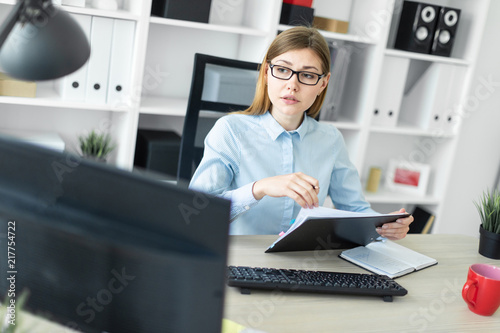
(414, 138)
(162, 70)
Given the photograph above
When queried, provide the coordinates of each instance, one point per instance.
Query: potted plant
(96, 146)
(489, 230)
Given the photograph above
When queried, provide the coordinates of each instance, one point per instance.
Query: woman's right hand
(302, 188)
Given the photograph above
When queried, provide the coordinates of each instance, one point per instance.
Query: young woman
(274, 158)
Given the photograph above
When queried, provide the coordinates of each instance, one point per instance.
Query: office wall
(478, 155)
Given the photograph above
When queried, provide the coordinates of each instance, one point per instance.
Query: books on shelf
(387, 258)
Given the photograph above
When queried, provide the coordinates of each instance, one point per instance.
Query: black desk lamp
(39, 41)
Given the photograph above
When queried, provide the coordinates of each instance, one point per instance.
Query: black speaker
(416, 27)
(445, 31)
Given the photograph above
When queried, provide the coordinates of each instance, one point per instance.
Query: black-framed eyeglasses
(285, 73)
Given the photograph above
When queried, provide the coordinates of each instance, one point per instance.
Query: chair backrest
(218, 86)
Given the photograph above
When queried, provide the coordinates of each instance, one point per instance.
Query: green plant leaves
(489, 210)
(98, 145)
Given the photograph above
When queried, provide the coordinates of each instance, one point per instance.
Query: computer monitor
(103, 249)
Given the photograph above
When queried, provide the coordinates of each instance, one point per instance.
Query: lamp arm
(10, 21)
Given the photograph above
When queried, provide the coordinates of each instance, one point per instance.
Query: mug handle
(470, 288)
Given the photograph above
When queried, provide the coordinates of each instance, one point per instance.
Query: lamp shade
(48, 46)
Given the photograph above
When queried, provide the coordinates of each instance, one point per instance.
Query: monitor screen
(106, 250)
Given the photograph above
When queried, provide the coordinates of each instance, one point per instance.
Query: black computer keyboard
(248, 278)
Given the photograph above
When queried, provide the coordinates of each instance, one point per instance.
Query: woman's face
(290, 98)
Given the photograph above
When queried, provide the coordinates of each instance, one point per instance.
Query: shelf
(432, 85)
(118, 14)
(47, 97)
(426, 57)
(207, 26)
(411, 131)
(336, 35)
(163, 106)
(166, 106)
(384, 196)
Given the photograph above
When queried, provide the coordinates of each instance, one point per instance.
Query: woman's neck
(289, 123)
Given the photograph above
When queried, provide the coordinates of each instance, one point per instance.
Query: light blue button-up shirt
(241, 149)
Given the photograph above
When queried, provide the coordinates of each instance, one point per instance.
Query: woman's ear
(326, 79)
(324, 82)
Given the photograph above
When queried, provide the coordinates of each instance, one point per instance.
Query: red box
(304, 3)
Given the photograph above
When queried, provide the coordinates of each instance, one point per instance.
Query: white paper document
(320, 213)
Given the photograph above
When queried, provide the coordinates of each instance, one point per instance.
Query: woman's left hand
(398, 229)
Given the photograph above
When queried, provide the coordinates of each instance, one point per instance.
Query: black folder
(333, 233)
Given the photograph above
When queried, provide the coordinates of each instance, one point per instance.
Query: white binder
(72, 87)
(390, 91)
(419, 109)
(432, 100)
(121, 62)
(451, 110)
(442, 91)
(101, 35)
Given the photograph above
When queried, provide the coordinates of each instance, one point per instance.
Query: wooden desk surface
(433, 304)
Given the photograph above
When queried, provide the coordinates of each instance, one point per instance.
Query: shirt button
(247, 207)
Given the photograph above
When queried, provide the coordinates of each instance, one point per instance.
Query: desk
(433, 304)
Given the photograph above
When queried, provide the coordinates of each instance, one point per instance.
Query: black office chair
(219, 85)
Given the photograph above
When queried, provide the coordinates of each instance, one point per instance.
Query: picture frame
(407, 177)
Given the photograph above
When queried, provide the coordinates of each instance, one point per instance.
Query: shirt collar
(274, 129)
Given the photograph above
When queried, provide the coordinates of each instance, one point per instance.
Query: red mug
(481, 292)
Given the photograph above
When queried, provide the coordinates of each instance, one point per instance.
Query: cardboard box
(324, 23)
(17, 88)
